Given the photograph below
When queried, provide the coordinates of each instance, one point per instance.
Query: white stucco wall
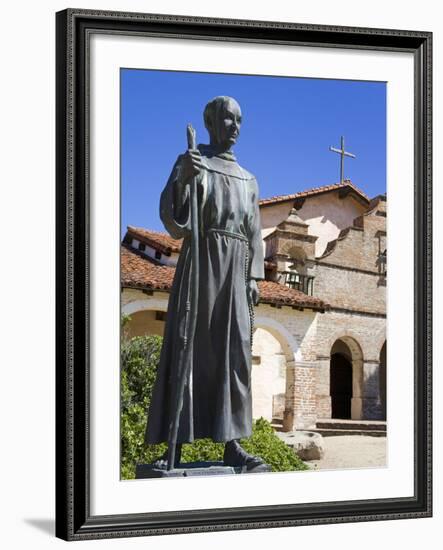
(325, 214)
(271, 216)
(268, 376)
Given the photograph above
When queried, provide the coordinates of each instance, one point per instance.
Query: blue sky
(288, 126)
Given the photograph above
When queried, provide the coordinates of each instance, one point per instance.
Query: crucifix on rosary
(343, 154)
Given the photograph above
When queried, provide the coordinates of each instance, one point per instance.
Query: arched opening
(341, 381)
(295, 274)
(346, 374)
(146, 316)
(382, 381)
(146, 322)
(268, 377)
(273, 354)
(297, 255)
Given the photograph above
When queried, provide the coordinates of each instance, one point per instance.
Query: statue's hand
(191, 164)
(253, 293)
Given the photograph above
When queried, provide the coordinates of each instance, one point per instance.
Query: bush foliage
(140, 357)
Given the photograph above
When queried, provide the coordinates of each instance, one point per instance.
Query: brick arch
(357, 359)
(290, 346)
(293, 356)
(345, 335)
(353, 345)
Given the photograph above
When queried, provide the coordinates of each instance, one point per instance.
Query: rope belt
(228, 233)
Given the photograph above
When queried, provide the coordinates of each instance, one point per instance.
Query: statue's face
(227, 124)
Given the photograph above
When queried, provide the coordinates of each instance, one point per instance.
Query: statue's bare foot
(235, 455)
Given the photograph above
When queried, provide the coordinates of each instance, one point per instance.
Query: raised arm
(174, 200)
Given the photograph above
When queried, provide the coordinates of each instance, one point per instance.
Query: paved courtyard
(351, 451)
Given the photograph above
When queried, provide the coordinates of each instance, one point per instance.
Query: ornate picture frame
(75, 519)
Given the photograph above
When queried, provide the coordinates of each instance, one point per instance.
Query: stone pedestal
(195, 469)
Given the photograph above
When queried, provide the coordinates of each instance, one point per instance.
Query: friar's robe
(217, 397)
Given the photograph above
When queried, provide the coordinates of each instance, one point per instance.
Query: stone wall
(350, 275)
(349, 289)
(359, 246)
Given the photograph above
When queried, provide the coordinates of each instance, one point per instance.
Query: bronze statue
(203, 386)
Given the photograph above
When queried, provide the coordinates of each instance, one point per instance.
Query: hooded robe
(217, 396)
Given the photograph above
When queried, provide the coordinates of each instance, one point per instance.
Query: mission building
(319, 351)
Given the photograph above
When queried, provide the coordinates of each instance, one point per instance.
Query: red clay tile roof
(275, 293)
(139, 271)
(156, 239)
(314, 191)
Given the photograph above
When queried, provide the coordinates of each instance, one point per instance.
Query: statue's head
(223, 118)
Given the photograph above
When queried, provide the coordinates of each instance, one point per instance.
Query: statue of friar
(203, 385)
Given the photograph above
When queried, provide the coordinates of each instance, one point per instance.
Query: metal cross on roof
(343, 154)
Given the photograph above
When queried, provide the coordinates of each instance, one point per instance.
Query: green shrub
(139, 361)
(266, 444)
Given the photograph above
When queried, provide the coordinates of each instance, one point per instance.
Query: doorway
(341, 386)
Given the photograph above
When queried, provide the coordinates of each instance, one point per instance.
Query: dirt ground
(351, 451)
